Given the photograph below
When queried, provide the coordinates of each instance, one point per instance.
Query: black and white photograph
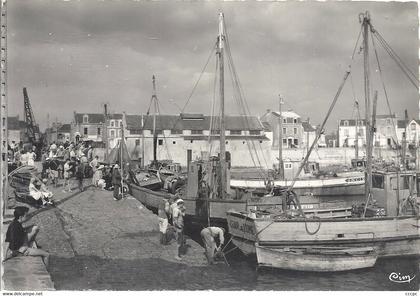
(209, 146)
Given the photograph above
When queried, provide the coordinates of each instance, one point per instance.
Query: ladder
(3, 106)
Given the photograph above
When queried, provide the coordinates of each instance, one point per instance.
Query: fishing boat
(316, 259)
(388, 220)
(207, 194)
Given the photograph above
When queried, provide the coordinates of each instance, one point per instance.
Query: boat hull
(339, 186)
(279, 258)
(390, 236)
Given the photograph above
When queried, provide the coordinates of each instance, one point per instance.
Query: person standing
(163, 211)
(80, 174)
(208, 236)
(67, 169)
(94, 165)
(116, 182)
(178, 220)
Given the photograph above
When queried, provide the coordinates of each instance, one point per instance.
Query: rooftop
(193, 122)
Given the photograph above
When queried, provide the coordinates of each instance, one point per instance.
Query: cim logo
(398, 278)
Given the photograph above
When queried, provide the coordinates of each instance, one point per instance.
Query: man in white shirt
(178, 221)
(67, 168)
(208, 236)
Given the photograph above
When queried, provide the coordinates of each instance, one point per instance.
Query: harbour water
(158, 274)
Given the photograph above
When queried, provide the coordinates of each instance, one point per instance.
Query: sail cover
(114, 155)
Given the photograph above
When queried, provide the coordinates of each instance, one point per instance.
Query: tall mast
(221, 40)
(154, 98)
(105, 131)
(356, 144)
(368, 182)
(281, 168)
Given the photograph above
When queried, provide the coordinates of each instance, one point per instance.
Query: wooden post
(281, 165)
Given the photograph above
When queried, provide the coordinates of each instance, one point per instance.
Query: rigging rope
(386, 95)
(196, 83)
(409, 74)
(243, 103)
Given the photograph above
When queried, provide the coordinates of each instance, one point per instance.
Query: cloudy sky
(77, 55)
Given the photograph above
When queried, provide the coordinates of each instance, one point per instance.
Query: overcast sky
(77, 55)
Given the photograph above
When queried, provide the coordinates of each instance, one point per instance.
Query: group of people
(172, 211)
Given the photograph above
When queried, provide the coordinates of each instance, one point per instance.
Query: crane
(33, 136)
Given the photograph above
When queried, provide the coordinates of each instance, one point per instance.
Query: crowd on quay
(63, 163)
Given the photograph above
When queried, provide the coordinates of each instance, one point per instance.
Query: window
(235, 132)
(176, 131)
(215, 132)
(294, 120)
(284, 142)
(254, 132)
(112, 122)
(160, 141)
(295, 142)
(388, 121)
(295, 130)
(413, 126)
(99, 131)
(346, 123)
(112, 132)
(173, 142)
(284, 120)
(346, 132)
(191, 141)
(404, 182)
(378, 181)
(137, 142)
(284, 130)
(85, 118)
(260, 141)
(288, 166)
(196, 132)
(121, 123)
(85, 131)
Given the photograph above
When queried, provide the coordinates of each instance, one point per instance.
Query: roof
(13, 123)
(202, 122)
(401, 123)
(307, 127)
(65, 128)
(267, 126)
(351, 122)
(286, 114)
(95, 118)
(384, 116)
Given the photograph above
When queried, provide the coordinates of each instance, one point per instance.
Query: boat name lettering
(355, 179)
(242, 227)
(398, 278)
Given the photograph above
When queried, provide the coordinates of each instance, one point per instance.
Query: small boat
(316, 259)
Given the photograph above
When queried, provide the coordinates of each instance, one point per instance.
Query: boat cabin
(393, 191)
(291, 167)
(358, 163)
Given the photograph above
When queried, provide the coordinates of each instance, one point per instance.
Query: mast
(221, 40)
(404, 140)
(281, 168)
(122, 154)
(154, 98)
(142, 142)
(368, 182)
(105, 131)
(356, 146)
